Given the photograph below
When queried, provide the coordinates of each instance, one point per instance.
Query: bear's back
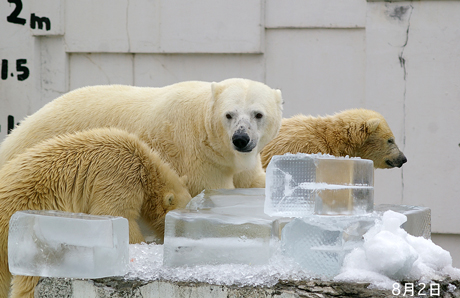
(73, 167)
(139, 110)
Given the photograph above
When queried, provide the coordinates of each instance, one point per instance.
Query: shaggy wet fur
(102, 172)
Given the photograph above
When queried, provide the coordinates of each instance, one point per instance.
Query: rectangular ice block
(418, 218)
(204, 237)
(303, 184)
(238, 201)
(63, 244)
(319, 243)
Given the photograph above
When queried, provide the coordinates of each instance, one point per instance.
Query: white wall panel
(386, 35)
(113, 26)
(160, 70)
(320, 71)
(212, 26)
(54, 70)
(96, 26)
(315, 14)
(100, 69)
(433, 112)
(143, 26)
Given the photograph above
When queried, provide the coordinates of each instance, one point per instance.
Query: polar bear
(102, 172)
(210, 132)
(355, 132)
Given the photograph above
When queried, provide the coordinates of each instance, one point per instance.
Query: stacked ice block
(299, 185)
(331, 197)
(219, 227)
(61, 244)
(320, 243)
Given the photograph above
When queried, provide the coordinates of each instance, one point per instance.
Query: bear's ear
(184, 179)
(216, 90)
(169, 200)
(372, 124)
(279, 97)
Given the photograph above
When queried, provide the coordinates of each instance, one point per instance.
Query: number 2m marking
(35, 21)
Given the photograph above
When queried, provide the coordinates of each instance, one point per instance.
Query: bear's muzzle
(242, 142)
(397, 162)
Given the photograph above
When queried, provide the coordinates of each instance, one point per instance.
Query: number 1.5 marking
(20, 68)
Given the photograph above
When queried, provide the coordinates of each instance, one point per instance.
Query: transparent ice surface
(418, 218)
(300, 184)
(62, 244)
(319, 243)
(205, 237)
(239, 201)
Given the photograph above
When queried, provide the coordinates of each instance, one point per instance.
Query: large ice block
(319, 243)
(418, 218)
(222, 235)
(62, 244)
(300, 184)
(239, 201)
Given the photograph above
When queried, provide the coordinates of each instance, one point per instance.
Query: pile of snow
(390, 254)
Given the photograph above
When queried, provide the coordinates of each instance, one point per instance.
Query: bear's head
(165, 193)
(177, 195)
(379, 142)
(246, 113)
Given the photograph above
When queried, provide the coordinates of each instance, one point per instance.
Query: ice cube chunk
(204, 237)
(62, 244)
(319, 243)
(303, 184)
(418, 218)
(239, 201)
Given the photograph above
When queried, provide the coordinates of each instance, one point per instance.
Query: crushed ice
(146, 263)
(389, 254)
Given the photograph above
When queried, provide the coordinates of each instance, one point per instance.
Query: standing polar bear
(355, 132)
(102, 172)
(210, 132)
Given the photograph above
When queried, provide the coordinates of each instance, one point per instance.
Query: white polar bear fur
(186, 123)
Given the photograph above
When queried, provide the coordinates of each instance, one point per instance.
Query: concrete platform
(120, 288)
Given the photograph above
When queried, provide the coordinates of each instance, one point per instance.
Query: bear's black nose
(240, 140)
(402, 160)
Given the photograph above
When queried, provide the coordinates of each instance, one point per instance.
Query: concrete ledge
(120, 288)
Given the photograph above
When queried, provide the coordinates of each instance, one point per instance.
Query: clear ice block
(206, 238)
(418, 218)
(319, 243)
(239, 201)
(300, 184)
(225, 226)
(62, 244)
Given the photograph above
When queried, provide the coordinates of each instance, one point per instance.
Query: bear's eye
(228, 116)
(259, 115)
(391, 141)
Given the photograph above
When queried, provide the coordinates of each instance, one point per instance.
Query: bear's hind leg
(5, 276)
(23, 286)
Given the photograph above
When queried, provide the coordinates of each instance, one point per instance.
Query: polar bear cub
(355, 132)
(102, 172)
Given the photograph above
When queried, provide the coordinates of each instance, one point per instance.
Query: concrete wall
(399, 58)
